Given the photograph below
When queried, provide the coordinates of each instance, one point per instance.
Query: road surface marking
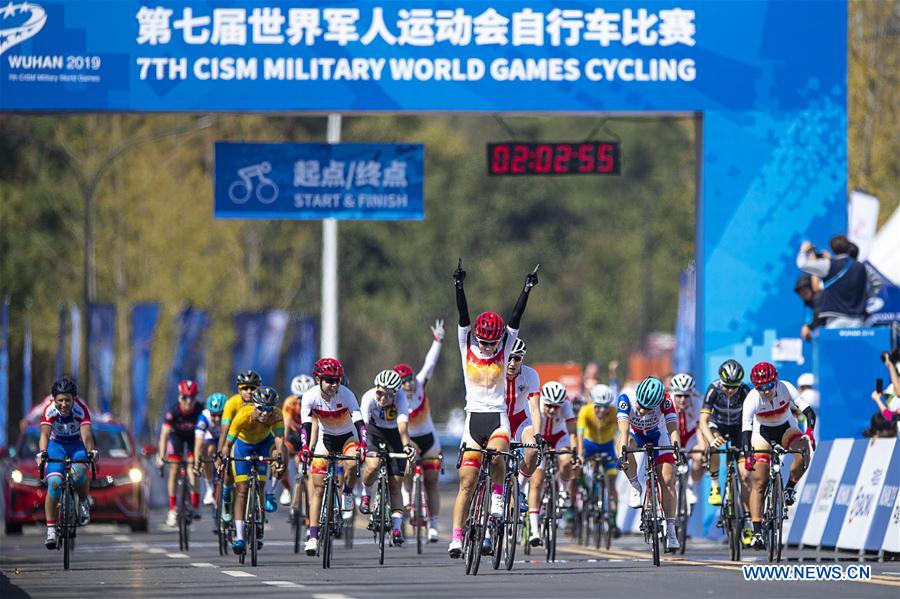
(177, 555)
(121, 538)
(203, 565)
(238, 573)
(331, 596)
(155, 550)
(283, 583)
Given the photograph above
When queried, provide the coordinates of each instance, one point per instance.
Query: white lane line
(239, 573)
(121, 538)
(177, 555)
(203, 565)
(283, 584)
(331, 596)
(155, 550)
(890, 573)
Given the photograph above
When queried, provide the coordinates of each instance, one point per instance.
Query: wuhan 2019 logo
(18, 22)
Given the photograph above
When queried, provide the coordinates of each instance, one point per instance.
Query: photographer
(889, 406)
(809, 289)
(846, 282)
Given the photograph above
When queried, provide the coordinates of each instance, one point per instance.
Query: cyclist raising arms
(485, 350)
(206, 440)
(176, 438)
(646, 415)
(767, 419)
(386, 414)
(421, 428)
(558, 432)
(341, 431)
(596, 426)
(65, 431)
(687, 405)
(523, 408)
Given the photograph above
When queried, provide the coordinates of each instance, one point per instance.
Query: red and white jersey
(775, 412)
(518, 391)
(555, 429)
(689, 418)
(66, 429)
(388, 416)
(485, 376)
(420, 422)
(656, 418)
(336, 415)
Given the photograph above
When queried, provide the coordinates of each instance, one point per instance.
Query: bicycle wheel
(604, 526)
(497, 531)
(469, 532)
(734, 518)
(653, 501)
(769, 520)
(298, 513)
(348, 525)
(380, 513)
(682, 515)
(481, 526)
(526, 534)
(779, 517)
(552, 502)
(511, 516)
(217, 515)
(252, 525)
(65, 518)
(418, 512)
(325, 522)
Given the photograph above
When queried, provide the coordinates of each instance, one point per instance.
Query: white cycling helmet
(602, 396)
(518, 348)
(682, 384)
(389, 379)
(301, 384)
(807, 379)
(553, 394)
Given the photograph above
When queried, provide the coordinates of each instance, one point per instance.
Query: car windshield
(110, 440)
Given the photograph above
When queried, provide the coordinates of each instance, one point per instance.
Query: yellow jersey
(592, 428)
(250, 430)
(232, 406)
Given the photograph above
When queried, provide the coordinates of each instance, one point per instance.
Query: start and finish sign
(315, 181)
(766, 78)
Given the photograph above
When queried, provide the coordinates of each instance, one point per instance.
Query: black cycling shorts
(293, 440)
(732, 432)
(389, 438)
(424, 442)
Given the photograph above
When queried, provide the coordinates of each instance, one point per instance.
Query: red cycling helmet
(404, 370)
(489, 327)
(763, 373)
(328, 367)
(188, 388)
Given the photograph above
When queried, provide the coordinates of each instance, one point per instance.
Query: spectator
(809, 289)
(880, 428)
(806, 383)
(887, 401)
(845, 282)
(591, 377)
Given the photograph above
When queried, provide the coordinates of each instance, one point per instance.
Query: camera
(893, 355)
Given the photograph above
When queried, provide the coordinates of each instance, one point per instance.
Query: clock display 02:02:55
(578, 158)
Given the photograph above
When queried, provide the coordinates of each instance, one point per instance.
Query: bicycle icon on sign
(266, 190)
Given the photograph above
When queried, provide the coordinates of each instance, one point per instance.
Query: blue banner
(313, 181)
(301, 352)
(75, 343)
(248, 328)
(26, 363)
(268, 352)
(4, 370)
(59, 368)
(189, 361)
(102, 352)
(143, 326)
(686, 321)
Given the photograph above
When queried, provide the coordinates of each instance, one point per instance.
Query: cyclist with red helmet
(421, 428)
(485, 350)
(767, 420)
(341, 431)
(176, 438)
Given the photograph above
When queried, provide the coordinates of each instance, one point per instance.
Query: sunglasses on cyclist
(265, 409)
(487, 343)
(381, 393)
(515, 358)
(766, 386)
(185, 398)
(731, 386)
(331, 380)
(552, 408)
(407, 379)
(246, 388)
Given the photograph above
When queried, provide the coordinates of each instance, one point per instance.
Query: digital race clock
(578, 158)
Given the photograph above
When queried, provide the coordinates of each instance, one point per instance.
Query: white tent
(885, 251)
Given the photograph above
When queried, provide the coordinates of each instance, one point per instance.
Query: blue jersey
(205, 428)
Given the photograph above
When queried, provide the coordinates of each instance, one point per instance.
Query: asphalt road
(113, 562)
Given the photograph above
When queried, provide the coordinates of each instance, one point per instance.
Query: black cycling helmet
(64, 385)
(265, 396)
(731, 373)
(249, 377)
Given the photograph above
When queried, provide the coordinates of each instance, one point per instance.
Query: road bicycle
(653, 519)
(684, 509)
(774, 509)
(331, 520)
(731, 516)
(380, 506)
(505, 530)
(67, 520)
(186, 513)
(299, 510)
(550, 500)
(596, 514)
(421, 512)
(255, 512)
(476, 525)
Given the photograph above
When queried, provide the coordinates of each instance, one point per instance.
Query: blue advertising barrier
(847, 362)
(189, 360)
(314, 181)
(144, 317)
(102, 353)
(767, 80)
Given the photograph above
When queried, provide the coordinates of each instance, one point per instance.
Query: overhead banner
(189, 361)
(314, 181)
(4, 369)
(143, 326)
(26, 364)
(102, 352)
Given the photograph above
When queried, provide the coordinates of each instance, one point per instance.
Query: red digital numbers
(579, 158)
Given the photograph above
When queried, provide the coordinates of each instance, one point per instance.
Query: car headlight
(136, 475)
(16, 476)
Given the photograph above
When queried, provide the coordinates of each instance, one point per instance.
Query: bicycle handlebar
(48, 460)
(491, 453)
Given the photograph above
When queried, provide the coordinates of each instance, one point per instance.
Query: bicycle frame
(421, 512)
(731, 515)
(185, 510)
(477, 515)
(774, 509)
(652, 515)
(67, 522)
(550, 499)
(254, 513)
(596, 512)
(380, 509)
(330, 518)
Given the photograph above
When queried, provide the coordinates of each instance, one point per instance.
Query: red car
(119, 493)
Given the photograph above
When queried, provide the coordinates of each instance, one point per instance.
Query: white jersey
(384, 417)
(775, 412)
(485, 375)
(555, 428)
(656, 419)
(420, 422)
(689, 418)
(518, 391)
(336, 416)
